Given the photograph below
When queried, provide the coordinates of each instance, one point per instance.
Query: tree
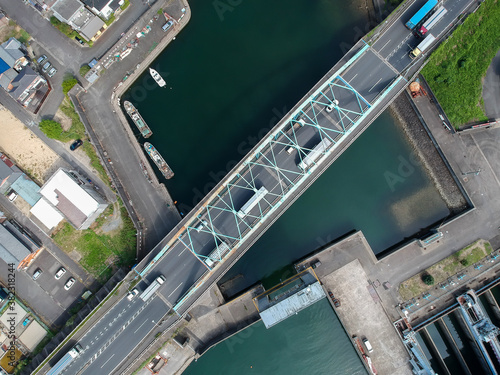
(84, 70)
(428, 279)
(51, 129)
(68, 84)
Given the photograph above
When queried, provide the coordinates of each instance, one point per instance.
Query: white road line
(385, 45)
(181, 252)
(140, 326)
(353, 78)
(173, 291)
(375, 84)
(107, 361)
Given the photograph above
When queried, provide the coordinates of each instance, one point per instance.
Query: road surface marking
(107, 361)
(384, 45)
(375, 84)
(140, 326)
(173, 291)
(181, 252)
(353, 78)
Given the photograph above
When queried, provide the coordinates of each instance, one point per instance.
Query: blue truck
(420, 15)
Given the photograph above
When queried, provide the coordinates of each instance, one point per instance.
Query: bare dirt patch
(24, 148)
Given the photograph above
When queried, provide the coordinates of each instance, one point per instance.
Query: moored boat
(157, 77)
(162, 165)
(137, 119)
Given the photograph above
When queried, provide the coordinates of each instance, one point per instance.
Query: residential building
(19, 80)
(27, 189)
(104, 8)
(13, 250)
(9, 173)
(24, 87)
(66, 10)
(74, 13)
(72, 196)
(12, 52)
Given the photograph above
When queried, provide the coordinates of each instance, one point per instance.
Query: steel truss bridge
(332, 112)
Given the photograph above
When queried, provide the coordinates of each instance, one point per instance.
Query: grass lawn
(101, 253)
(446, 268)
(456, 69)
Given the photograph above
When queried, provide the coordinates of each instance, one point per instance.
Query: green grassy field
(101, 253)
(456, 69)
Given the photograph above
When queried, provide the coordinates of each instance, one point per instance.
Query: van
(132, 294)
(12, 196)
(37, 274)
(201, 225)
(368, 345)
(167, 25)
(289, 150)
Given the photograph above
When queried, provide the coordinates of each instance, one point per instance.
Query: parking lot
(46, 295)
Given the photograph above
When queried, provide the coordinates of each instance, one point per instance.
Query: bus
(217, 254)
(315, 153)
(252, 202)
(420, 15)
(432, 21)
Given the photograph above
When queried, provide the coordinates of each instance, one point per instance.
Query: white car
(60, 273)
(132, 294)
(69, 283)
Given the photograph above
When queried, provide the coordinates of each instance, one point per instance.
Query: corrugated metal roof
(27, 189)
(11, 249)
(292, 305)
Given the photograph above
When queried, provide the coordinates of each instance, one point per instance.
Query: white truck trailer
(152, 288)
(433, 20)
(314, 155)
(218, 253)
(64, 362)
(252, 202)
(429, 39)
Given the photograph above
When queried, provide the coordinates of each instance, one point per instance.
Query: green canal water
(231, 76)
(312, 342)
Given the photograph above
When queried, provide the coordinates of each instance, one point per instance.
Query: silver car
(46, 66)
(52, 72)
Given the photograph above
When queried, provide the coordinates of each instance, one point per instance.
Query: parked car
(60, 273)
(12, 195)
(69, 283)
(41, 59)
(37, 273)
(52, 72)
(46, 66)
(368, 345)
(76, 144)
(79, 40)
(132, 294)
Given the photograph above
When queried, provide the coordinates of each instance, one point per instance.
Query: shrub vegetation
(455, 70)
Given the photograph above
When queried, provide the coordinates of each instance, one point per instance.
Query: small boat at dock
(157, 77)
(137, 119)
(162, 165)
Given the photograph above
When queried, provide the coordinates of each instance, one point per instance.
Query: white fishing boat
(157, 77)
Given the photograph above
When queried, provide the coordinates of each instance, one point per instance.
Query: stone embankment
(422, 144)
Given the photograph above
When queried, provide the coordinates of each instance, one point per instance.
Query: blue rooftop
(27, 189)
(3, 66)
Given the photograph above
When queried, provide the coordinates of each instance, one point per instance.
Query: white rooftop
(47, 214)
(65, 194)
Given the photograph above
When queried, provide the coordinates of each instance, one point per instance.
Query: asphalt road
(491, 89)
(357, 89)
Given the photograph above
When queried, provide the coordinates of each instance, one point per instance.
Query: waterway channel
(311, 342)
(231, 75)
